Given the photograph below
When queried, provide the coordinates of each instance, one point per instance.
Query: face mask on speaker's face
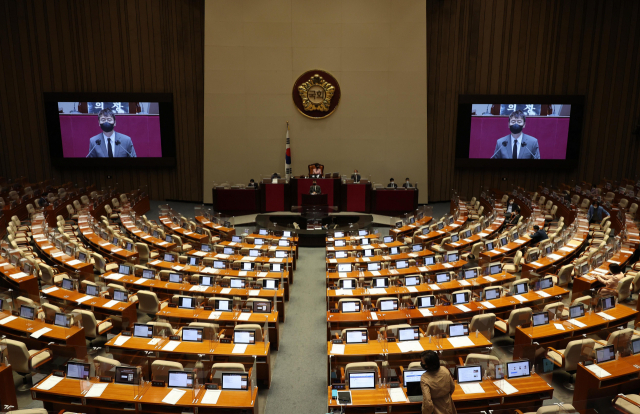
(106, 126)
(515, 128)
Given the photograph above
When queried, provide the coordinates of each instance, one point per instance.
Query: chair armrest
(38, 353)
(500, 319)
(601, 342)
(103, 321)
(549, 349)
(624, 397)
(342, 374)
(460, 360)
(519, 412)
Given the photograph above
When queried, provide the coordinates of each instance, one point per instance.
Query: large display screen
(518, 130)
(110, 129)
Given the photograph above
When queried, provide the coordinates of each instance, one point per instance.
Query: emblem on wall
(316, 94)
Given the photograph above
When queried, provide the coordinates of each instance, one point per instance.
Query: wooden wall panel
(571, 47)
(115, 46)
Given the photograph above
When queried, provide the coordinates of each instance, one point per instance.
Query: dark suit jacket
(252, 185)
(514, 219)
(275, 175)
(407, 185)
(392, 185)
(122, 150)
(530, 151)
(356, 178)
(514, 207)
(538, 236)
(315, 189)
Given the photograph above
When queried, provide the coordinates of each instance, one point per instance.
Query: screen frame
(167, 129)
(574, 138)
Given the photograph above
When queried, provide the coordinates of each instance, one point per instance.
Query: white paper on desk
(337, 349)
(173, 396)
(488, 305)
(460, 341)
(104, 244)
(397, 395)
(559, 326)
(210, 396)
(494, 251)
(423, 269)
(606, 316)
(413, 255)
(448, 265)
(239, 349)
(248, 259)
(244, 316)
(382, 245)
(410, 346)
(121, 340)
(374, 316)
(263, 274)
(554, 256)
(116, 250)
(214, 315)
(464, 283)
(412, 289)
(366, 259)
(8, 319)
(110, 304)
(147, 237)
(140, 281)
(19, 275)
(378, 291)
(543, 294)
(225, 291)
(434, 287)
(37, 334)
(394, 272)
(601, 271)
(164, 243)
(171, 345)
(535, 264)
(472, 388)
(242, 273)
(600, 373)
(200, 254)
(366, 246)
(505, 386)
(57, 254)
(566, 249)
(489, 278)
(114, 276)
(426, 312)
(178, 267)
(520, 298)
(254, 292)
(96, 390)
(386, 257)
(73, 262)
(576, 323)
(85, 298)
(49, 290)
(463, 308)
(626, 251)
(330, 248)
(49, 383)
(156, 262)
(154, 341)
(209, 270)
(613, 261)
(375, 273)
(340, 292)
(333, 261)
(342, 274)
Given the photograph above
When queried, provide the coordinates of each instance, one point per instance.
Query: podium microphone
(125, 150)
(92, 148)
(524, 145)
(504, 144)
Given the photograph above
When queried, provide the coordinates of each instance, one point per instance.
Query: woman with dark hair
(611, 281)
(437, 386)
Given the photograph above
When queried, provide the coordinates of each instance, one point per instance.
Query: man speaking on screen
(110, 144)
(517, 145)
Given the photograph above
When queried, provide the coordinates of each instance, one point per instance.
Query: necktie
(514, 155)
(111, 151)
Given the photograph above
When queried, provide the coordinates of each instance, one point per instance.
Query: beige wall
(255, 50)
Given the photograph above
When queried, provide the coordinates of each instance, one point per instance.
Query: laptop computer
(347, 283)
(635, 346)
(470, 274)
(236, 283)
(521, 288)
(148, 274)
(389, 305)
(261, 306)
(186, 302)
(460, 298)
(412, 280)
(607, 303)
(344, 267)
(443, 277)
(411, 381)
(380, 282)
(27, 312)
(224, 305)
(429, 260)
(271, 284)
(244, 337)
(61, 320)
(373, 266)
(192, 334)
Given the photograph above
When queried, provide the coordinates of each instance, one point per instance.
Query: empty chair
(257, 329)
(517, 317)
(487, 362)
(359, 366)
(160, 369)
(23, 361)
(145, 253)
(181, 247)
(101, 265)
(568, 358)
(94, 330)
(624, 288)
(628, 404)
(438, 327)
(149, 303)
(209, 331)
(164, 327)
(392, 330)
(552, 409)
(484, 323)
(106, 366)
(514, 266)
(110, 213)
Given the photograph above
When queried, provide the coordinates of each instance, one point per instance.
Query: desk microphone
(524, 145)
(94, 147)
(125, 150)
(504, 144)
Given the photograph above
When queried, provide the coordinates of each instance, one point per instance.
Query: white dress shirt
(519, 144)
(113, 142)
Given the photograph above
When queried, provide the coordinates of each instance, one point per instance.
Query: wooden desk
(69, 393)
(550, 336)
(624, 379)
(8, 392)
(436, 235)
(292, 250)
(16, 279)
(125, 311)
(186, 235)
(509, 249)
(67, 342)
(332, 263)
(582, 285)
(290, 261)
(138, 235)
(401, 231)
(136, 350)
(531, 392)
(413, 270)
(549, 263)
(61, 260)
(485, 234)
(103, 246)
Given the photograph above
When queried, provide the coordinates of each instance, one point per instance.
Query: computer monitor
(236, 283)
(393, 250)
(357, 336)
(584, 269)
(428, 301)
(128, 246)
(271, 284)
(409, 334)
(124, 269)
(429, 260)
(454, 238)
(192, 334)
(380, 282)
(546, 283)
(142, 331)
(362, 232)
(344, 267)
(224, 305)
(205, 248)
(348, 283)
(175, 278)
(283, 243)
(495, 268)
(490, 294)
(186, 302)
(115, 241)
(236, 381)
(263, 232)
(254, 253)
(388, 305)
(417, 247)
(470, 273)
(155, 234)
(78, 370)
(387, 239)
(368, 252)
(350, 306)
(466, 374)
(69, 250)
(247, 266)
(540, 318)
(521, 288)
(219, 264)
(576, 311)
(605, 354)
(120, 296)
(193, 261)
(548, 249)
(168, 239)
(489, 245)
(440, 225)
(607, 303)
(402, 264)
(504, 241)
(282, 254)
(148, 274)
(533, 256)
(341, 255)
(82, 257)
(411, 280)
(91, 290)
(339, 243)
(168, 257)
(518, 369)
(206, 281)
(460, 298)
(126, 375)
(426, 230)
(236, 239)
(364, 241)
(458, 329)
(60, 319)
(452, 257)
(338, 234)
(180, 379)
(67, 284)
(244, 337)
(261, 306)
(443, 277)
(635, 346)
(258, 242)
(360, 380)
